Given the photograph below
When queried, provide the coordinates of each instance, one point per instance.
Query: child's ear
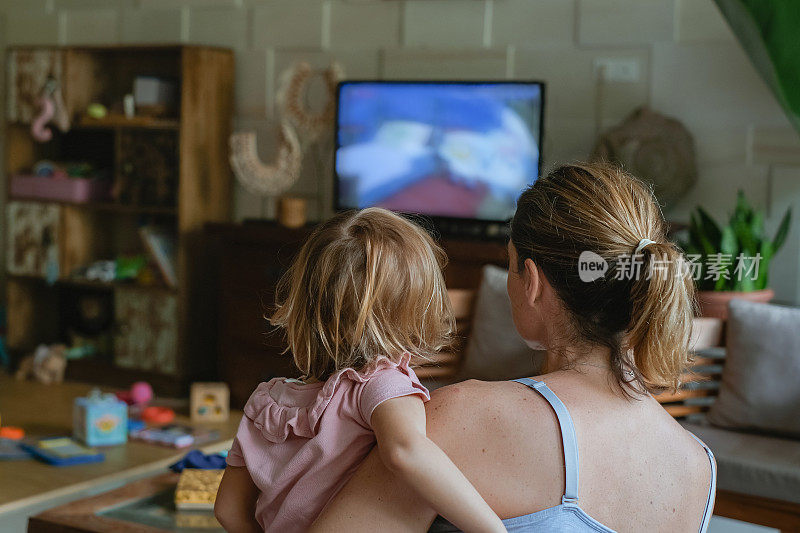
(533, 283)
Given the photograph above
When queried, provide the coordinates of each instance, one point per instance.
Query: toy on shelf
(100, 419)
(73, 181)
(197, 489)
(97, 111)
(210, 402)
(46, 364)
(62, 451)
(53, 109)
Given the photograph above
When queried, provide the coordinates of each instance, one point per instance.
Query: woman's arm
(399, 426)
(372, 500)
(235, 507)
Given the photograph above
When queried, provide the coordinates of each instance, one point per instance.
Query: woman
(584, 446)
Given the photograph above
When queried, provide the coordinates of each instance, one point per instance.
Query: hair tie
(644, 243)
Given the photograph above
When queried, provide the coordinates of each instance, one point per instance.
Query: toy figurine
(46, 365)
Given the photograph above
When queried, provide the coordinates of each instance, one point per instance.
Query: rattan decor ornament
(292, 93)
(259, 178)
(299, 129)
(656, 148)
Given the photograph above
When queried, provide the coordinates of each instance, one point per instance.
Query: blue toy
(62, 451)
(100, 419)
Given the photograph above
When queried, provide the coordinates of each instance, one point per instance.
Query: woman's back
(639, 470)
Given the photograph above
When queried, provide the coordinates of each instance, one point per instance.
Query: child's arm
(399, 425)
(235, 507)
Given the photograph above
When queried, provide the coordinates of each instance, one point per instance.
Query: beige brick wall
(690, 67)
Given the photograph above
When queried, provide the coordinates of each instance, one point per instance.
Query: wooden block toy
(197, 489)
(210, 402)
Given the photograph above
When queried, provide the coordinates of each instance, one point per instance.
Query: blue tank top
(568, 516)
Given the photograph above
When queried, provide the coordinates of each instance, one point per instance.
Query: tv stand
(472, 230)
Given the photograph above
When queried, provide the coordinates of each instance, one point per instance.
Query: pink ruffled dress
(302, 442)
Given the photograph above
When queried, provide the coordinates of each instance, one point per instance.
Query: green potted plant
(732, 261)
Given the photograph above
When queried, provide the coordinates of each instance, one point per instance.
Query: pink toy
(140, 395)
(39, 129)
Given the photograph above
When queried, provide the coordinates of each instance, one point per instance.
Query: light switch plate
(618, 69)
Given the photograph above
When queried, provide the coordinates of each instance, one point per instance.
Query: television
(457, 151)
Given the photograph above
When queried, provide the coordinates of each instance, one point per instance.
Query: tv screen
(445, 149)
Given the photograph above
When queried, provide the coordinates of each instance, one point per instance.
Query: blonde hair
(365, 284)
(645, 320)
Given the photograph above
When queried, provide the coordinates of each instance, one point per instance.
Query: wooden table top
(46, 410)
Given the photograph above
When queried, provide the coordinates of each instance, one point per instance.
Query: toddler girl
(364, 293)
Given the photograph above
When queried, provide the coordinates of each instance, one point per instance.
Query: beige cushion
(495, 350)
(753, 464)
(760, 386)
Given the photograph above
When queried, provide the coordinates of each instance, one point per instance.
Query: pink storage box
(77, 190)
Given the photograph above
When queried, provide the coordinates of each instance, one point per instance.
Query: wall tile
(251, 83)
(571, 84)
(25, 27)
(364, 24)
(356, 63)
(533, 22)
(717, 186)
(444, 23)
(715, 91)
(92, 4)
(287, 23)
(151, 26)
(91, 26)
(162, 4)
(218, 26)
(443, 64)
(622, 22)
(41, 6)
(700, 20)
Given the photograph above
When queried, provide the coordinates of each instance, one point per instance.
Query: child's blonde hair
(365, 284)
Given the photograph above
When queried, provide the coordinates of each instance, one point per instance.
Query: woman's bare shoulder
(478, 401)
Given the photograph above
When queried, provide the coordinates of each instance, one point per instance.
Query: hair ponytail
(662, 305)
(645, 320)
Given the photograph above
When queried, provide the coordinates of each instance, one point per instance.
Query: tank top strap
(712, 490)
(568, 438)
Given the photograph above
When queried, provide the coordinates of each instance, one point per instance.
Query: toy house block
(210, 402)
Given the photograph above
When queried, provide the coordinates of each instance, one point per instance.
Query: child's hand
(399, 426)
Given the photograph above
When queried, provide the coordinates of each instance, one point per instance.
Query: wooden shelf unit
(102, 230)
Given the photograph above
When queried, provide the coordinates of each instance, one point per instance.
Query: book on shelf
(161, 245)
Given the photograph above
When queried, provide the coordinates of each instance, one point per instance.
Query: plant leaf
(783, 231)
(712, 229)
(728, 243)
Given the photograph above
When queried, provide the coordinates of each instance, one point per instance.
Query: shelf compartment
(92, 284)
(123, 122)
(115, 207)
